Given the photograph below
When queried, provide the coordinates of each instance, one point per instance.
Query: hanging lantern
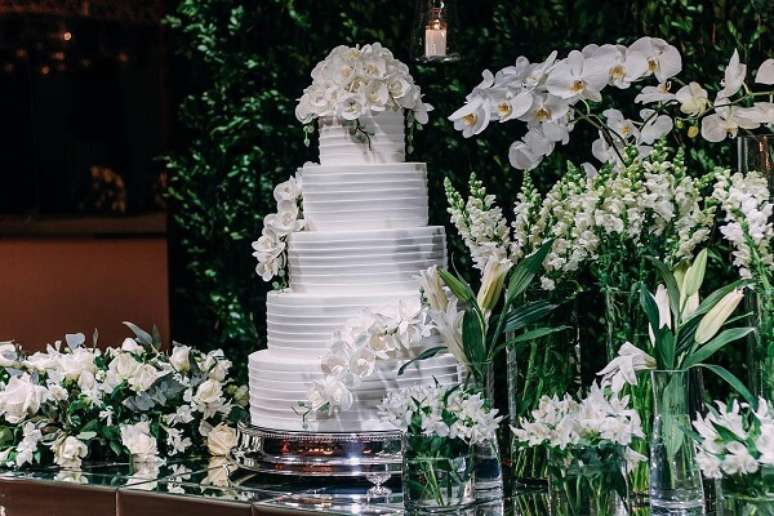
(434, 33)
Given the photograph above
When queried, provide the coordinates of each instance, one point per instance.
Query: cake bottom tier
(278, 384)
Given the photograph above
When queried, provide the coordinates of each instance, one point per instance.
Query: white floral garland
(354, 81)
(377, 334)
(271, 249)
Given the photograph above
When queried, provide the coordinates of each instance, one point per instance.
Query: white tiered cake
(365, 242)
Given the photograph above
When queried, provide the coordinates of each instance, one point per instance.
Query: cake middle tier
(352, 197)
(302, 325)
(363, 261)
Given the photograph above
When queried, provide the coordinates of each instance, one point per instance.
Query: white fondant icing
(365, 196)
(385, 143)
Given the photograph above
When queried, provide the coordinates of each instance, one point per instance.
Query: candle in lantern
(435, 40)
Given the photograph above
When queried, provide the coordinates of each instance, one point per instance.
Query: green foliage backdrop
(253, 60)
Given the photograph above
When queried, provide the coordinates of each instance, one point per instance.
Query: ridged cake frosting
(365, 241)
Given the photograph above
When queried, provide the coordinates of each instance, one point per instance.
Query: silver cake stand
(372, 455)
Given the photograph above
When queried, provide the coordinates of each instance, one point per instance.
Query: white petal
(765, 73)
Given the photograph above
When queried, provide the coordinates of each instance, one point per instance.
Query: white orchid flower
(728, 119)
(625, 66)
(651, 94)
(664, 60)
(693, 99)
(733, 77)
(623, 127)
(473, 117)
(576, 77)
(515, 106)
(765, 74)
(655, 127)
(538, 72)
(528, 152)
(623, 368)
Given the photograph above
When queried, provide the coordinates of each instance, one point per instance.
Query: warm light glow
(45, 70)
(58, 56)
(67, 35)
(22, 53)
(123, 57)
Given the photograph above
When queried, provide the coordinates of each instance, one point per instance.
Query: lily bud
(694, 276)
(717, 316)
(431, 286)
(492, 283)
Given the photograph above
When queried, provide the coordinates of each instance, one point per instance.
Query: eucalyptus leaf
(142, 336)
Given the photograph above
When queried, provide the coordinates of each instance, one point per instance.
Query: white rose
(74, 364)
(209, 392)
(124, 366)
(8, 355)
(43, 362)
(287, 191)
(21, 398)
(138, 440)
(57, 392)
(144, 378)
(131, 346)
(221, 440)
(180, 358)
(69, 452)
(216, 366)
(218, 472)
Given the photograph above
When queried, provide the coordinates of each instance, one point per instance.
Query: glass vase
(626, 322)
(438, 474)
(588, 482)
(675, 479)
(488, 462)
(756, 153)
(547, 366)
(760, 344)
(748, 495)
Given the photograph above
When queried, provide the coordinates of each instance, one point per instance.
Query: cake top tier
(355, 81)
(373, 138)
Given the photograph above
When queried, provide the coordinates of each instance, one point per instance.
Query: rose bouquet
(589, 448)
(736, 444)
(440, 424)
(72, 402)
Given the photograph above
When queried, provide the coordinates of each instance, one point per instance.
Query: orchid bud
(717, 316)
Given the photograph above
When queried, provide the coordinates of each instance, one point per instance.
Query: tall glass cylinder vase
(756, 153)
(675, 479)
(760, 345)
(625, 322)
(486, 456)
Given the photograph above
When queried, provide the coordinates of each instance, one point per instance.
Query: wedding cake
(351, 313)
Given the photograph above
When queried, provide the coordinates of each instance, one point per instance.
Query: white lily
(492, 283)
(717, 316)
(624, 367)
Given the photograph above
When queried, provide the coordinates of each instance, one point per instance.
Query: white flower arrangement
(601, 419)
(355, 81)
(385, 333)
(72, 402)
(735, 440)
(550, 97)
(747, 209)
(271, 247)
(443, 411)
